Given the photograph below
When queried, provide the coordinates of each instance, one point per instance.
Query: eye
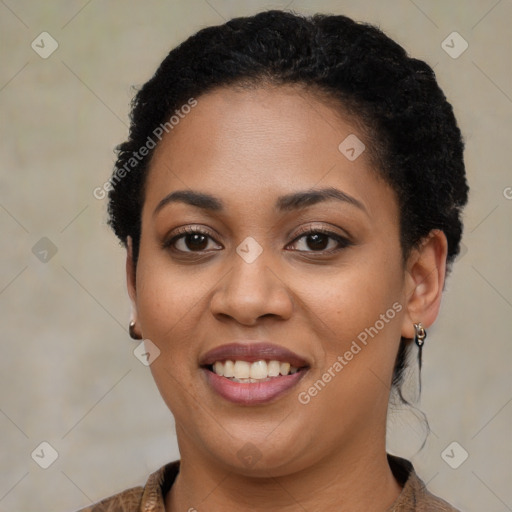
(320, 240)
(192, 239)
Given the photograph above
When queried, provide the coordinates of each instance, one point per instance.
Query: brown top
(150, 498)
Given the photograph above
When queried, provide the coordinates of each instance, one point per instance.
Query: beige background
(68, 375)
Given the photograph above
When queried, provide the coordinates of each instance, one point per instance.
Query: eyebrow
(305, 198)
(288, 202)
(198, 199)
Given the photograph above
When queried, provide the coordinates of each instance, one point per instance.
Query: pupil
(317, 241)
(196, 241)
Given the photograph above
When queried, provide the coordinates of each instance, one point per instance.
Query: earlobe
(426, 270)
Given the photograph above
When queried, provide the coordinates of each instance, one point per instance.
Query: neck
(354, 481)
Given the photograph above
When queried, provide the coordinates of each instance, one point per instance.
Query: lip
(252, 393)
(251, 352)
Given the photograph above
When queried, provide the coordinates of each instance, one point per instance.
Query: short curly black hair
(416, 143)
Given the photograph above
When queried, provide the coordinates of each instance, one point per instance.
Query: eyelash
(192, 230)
(343, 242)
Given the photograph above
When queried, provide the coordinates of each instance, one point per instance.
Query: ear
(424, 282)
(130, 276)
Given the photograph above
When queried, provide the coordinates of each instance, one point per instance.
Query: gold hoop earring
(133, 333)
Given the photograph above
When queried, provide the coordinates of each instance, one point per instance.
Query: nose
(251, 291)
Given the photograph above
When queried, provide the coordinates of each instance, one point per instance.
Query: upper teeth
(257, 370)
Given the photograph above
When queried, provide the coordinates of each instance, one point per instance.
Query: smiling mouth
(245, 372)
(252, 383)
(252, 373)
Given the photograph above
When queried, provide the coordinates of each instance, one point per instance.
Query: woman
(290, 198)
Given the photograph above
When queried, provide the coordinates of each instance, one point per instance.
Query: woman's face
(256, 171)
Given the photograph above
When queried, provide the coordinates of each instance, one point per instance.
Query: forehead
(253, 143)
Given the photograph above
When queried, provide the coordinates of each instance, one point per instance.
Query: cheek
(166, 301)
(354, 297)
(357, 313)
(168, 309)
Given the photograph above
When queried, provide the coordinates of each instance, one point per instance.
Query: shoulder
(415, 495)
(151, 496)
(126, 501)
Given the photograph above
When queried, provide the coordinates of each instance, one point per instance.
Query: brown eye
(192, 240)
(320, 241)
(317, 241)
(195, 241)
